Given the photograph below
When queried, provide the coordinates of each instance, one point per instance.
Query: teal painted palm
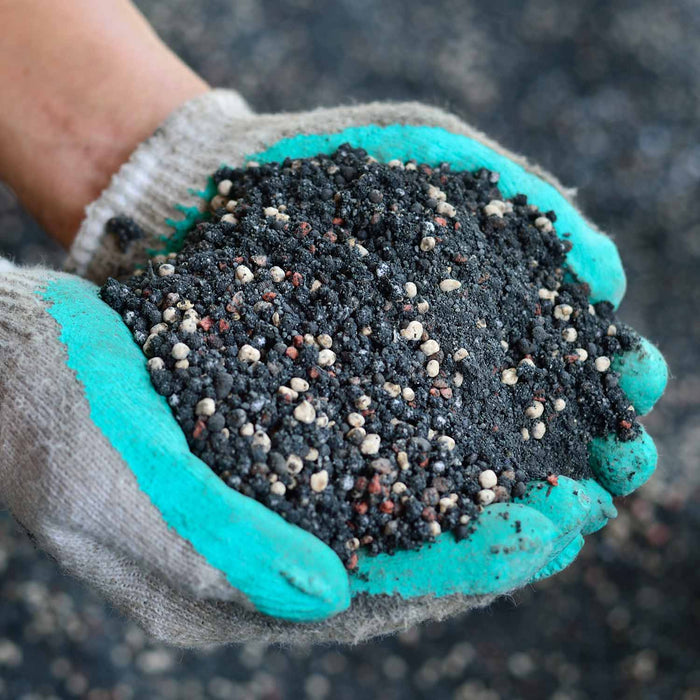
(286, 572)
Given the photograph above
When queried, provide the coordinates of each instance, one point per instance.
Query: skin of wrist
(78, 100)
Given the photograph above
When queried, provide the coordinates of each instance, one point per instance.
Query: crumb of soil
(377, 351)
(125, 230)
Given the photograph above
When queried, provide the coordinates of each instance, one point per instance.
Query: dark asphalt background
(607, 96)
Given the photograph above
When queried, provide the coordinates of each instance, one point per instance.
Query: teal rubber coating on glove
(509, 544)
(622, 467)
(594, 257)
(282, 570)
(643, 375)
(567, 505)
(562, 560)
(602, 507)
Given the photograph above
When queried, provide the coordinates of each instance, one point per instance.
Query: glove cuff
(157, 176)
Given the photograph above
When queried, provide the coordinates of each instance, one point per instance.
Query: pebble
(447, 442)
(446, 209)
(407, 394)
(563, 312)
(370, 445)
(559, 405)
(486, 496)
(509, 376)
(205, 407)
(166, 270)
(460, 354)
(602, 364)
(392, 389)
(432, 368)
(326, 358)
(413, 331)
(582, 354)
(155, 364)
(299, 384)
(295, 464)
(278, 488)
(534, 410)
(450, 285)
(488, 479)
(544, 224)
(356, 420)
(427, 244)
(430, 347)
(410, 289)
(244, 274)
(570, 335)
(305, 413)
(319, 481)
(248, 353)
(224, 188)
(262, 440)
(277, 274)
(362, 403)
(538, 430)
(180, 351)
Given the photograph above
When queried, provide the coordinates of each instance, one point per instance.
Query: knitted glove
(123, 504)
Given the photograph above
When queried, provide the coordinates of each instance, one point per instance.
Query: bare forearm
(82, 83)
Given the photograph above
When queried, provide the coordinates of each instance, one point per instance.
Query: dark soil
(322, 405)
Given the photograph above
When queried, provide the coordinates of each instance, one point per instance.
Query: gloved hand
(123, 504)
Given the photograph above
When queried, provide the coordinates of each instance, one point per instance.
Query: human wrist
(77, 102)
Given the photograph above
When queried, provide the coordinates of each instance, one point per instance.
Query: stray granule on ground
(377, 351)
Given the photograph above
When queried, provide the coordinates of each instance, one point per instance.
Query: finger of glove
(566, 504)
(594, 258)
(562, 560)
(643, 375)
(602, 507)
(622, 467)
(509, 544)
(166, 508)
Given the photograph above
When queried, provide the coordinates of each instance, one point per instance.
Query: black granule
(125, 230)
(305, 271)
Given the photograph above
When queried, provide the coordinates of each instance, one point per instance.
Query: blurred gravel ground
(607, 96)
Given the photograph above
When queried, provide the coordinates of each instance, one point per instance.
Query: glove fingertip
(622, 467)
(602, 507)
(509, 544)
(643, 375)
(562, 560)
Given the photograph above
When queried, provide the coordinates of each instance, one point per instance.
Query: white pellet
(509, 376)
(244, 274)
(180, 351)
(602, 363)
(450, 285)
(534, 410)
(305, 413)
(413, 331)
(299, 384)
(248, 353)
(319, 481)
(205, 407)
(430, 347)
